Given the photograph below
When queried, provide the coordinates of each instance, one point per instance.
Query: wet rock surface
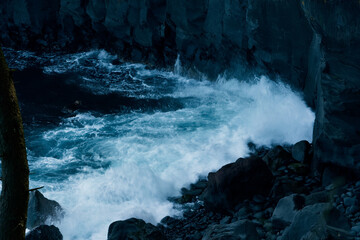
(134, 229)
(44, 232)
(313, 45)
(235, 182)
(301, 152)
(42, 210)
(240, 230)
(297, 207)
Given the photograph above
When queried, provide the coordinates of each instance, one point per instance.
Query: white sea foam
(151, 156)
(103, 168)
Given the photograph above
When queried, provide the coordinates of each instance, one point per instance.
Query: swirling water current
(112, 140)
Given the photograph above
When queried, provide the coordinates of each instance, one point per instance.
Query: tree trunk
(15, 171)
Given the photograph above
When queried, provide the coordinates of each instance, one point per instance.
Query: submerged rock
(135, 229)
(45, 232)
(42, 210)
(235, 182)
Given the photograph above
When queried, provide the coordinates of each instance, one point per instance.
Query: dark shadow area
(48, 98)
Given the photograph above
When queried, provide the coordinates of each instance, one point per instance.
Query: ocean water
(112, 140)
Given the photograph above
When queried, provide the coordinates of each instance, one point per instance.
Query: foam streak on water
(107, 167)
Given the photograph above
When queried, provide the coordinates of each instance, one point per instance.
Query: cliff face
(333, 80)
(313, 45)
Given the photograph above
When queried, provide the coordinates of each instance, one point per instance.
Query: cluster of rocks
(348, 203)
(268, 195)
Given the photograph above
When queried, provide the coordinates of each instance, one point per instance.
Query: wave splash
(106, 167)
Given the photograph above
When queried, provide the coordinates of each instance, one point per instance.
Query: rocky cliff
(313, 45)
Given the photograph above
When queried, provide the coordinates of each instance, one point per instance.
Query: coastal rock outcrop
(240, 230)
(318, 221)
(285, 210)
(45, 232)
(235, 182)
(332, 83)
(307, 211)
(135, 229)
(41, 210)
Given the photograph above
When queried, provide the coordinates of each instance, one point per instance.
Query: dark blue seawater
(112, 140)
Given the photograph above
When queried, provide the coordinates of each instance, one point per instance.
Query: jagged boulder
(235, 182)
(195, 190)
(286, 210)
(318, 221)
(240, 230)
(301, 151)
(45, 232)
(42, 210)
(135, 229)
(277, 157)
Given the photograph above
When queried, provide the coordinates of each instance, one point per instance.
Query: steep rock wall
(333, 80)
(313, 45)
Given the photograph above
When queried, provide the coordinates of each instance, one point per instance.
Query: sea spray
(106, 167)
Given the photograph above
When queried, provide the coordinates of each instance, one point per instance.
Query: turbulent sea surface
(112, 140)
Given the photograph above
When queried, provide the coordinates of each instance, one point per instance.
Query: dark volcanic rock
(44, 232)
(135, 229)
(41, 210)
(314, 45)
(333, 81)
(318, 221)
(318, 197)
(241, 230)
(235, 182)
(196, 189)
(277, 157)
(284, 212)
(316, 212)
(301, 151)
(280, 35)
(336, 175)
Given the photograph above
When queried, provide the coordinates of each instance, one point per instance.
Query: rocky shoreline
(272, 194)
(312, 45)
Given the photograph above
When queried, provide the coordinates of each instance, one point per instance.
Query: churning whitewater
(152, 133)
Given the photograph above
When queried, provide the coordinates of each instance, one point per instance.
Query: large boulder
(286, 210)
(318, 221)
(240, 230)
(301, 151)
(277, 157)
(235, 182)
(134, 229)
(318, 197)
(42, 210)
(44, 232)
